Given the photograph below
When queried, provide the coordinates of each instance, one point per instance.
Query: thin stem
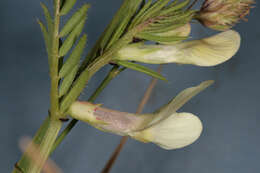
(148, 92)
(92, 68)
(45, 146)
(34, 154)
(110, 76)
(193, 3)
(110, 30)
(48, 132)
(86, 75)
(140, 108)
(25, 161)
(63, 134)
(115, 154)
(54, 96)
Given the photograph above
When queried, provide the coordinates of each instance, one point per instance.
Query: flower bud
(165, 127)
(183, 31)
(222, 15)
(209, 51)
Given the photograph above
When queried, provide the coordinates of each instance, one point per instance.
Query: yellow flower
(165, 127)
(209, 51)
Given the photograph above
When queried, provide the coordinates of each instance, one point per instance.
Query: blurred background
(229, 109)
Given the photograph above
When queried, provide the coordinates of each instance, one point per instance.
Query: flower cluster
(223, 14)
(166, 127)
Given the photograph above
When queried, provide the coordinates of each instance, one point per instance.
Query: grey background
(229, 110)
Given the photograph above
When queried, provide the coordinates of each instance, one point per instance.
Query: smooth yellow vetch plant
(164, 23)
(165, 127)
(209, 51)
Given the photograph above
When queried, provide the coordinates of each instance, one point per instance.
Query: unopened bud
(183, 31)
(223, 14)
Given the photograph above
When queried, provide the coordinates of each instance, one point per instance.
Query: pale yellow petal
(209, 51)
(167, 110)
(177, 131)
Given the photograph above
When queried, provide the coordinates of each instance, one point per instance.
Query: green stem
(47, 134)
(97, 64)
(111, 75)
(46, 145)
(122, 15)
(24, 162)
(63, 134)
(88, 72)
(54, 96)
